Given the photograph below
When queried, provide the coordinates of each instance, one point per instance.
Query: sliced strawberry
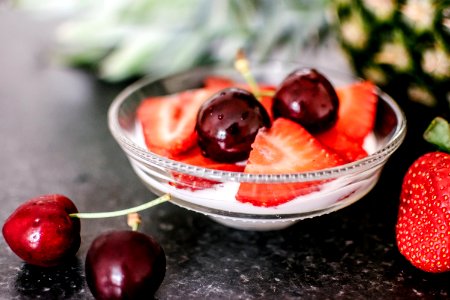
(285, 148)
(218, 82)
(357, 109)
(168, 122)
(266, 101)
(340, 143)
(194, 157)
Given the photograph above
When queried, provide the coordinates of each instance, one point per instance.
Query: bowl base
(250, 225)
(247, 222)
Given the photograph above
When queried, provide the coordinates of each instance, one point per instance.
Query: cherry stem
(98, 215)
(267, 93)
(242, 65)
(134, 220)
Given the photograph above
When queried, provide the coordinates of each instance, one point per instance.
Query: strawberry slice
(168, 122)
(285, 148)
(357, 109)
(266, 101)
(218, 82)
(340, 143)
(194, 157)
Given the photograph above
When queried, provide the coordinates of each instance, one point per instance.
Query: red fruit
(285, 148)
(168, 122)
(356, 117)
(124, 265)
(227, 124)
(194, 157)
(266, 101)
(357, 110)
(340, 143)
(218, 82)
(307, 97)
(423, 224)
(41, 232)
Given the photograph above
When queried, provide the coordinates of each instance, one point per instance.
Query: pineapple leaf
(125, 39)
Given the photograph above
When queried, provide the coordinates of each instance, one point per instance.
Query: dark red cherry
(308, 98)
(124, 265)
(227, 124)
(41, 232)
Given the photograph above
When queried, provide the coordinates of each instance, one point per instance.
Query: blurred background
(402, 45)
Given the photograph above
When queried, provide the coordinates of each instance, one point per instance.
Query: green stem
(123, 212)
(134, 221)
(267, 93)
(438, 134)
(242, 65)
(135, 227)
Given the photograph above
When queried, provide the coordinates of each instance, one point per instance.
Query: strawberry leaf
(438, 134)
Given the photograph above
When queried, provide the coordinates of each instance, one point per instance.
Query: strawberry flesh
(356, 117)
(218, 82)
(168, 122)
(346, 147)
(194, 157)
(285, 148)
(423, 223)
(357, 110)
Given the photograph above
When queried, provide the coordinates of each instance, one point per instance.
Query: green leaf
(132, 38)
(438, 134)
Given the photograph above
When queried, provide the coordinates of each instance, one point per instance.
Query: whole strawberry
(423, 224)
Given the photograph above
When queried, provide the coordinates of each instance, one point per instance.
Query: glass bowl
(338, 187)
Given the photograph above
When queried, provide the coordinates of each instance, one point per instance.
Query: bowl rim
(146, 157)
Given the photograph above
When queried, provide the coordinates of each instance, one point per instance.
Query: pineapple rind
(408, 57)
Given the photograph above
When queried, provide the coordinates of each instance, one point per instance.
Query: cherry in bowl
(307, 97)
(227, 124)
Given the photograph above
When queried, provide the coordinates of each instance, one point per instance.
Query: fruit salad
(303, 124)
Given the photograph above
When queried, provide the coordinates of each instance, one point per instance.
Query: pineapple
(402, 45)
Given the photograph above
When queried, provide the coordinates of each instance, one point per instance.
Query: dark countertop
(55, 140)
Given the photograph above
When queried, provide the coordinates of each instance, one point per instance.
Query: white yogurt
(220, 202)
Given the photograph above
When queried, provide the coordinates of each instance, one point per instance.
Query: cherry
(305, 96)
(41, 232)
(45, 231)
(227, 124)
(124, 265)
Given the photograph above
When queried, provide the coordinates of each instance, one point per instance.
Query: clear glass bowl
(339, 186)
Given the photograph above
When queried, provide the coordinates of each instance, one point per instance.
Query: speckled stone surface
(55, 140)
